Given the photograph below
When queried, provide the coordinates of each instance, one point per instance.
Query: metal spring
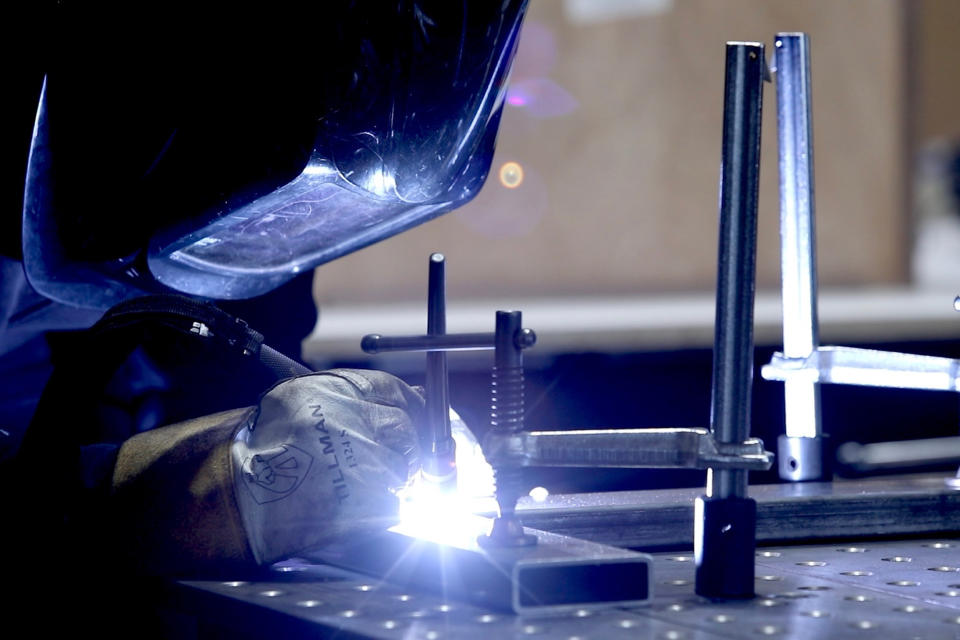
(506, 399)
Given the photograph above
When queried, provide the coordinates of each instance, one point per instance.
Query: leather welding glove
(317, 460)
(323, 459)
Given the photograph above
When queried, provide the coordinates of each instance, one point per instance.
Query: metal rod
(797, 238)
(739, 187)
(376, 343)
(724, 530)
(439, 460)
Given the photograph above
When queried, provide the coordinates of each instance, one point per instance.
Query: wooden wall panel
(937, 60)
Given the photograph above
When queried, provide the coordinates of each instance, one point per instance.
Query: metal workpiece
(724, 525)
(867, 367)
(624, 448)
(786, 512)
(560, 574)
(437, 444)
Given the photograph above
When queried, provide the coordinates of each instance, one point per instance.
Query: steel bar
(376, 343)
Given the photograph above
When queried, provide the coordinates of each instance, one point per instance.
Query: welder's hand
(323, 458)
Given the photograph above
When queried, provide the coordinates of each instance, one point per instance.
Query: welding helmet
(220, 158)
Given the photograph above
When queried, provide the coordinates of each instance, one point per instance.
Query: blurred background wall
(614, 116)
(936, 69)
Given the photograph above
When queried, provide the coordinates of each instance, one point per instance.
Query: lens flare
(516, 99)
(511, 175)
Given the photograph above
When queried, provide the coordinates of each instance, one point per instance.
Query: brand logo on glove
(276, 473)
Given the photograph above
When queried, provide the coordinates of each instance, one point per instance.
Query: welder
(184, 175)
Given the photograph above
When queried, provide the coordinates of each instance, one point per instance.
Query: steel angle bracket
(559, 574)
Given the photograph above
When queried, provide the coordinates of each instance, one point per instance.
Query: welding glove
(323, 460)
(317, 460)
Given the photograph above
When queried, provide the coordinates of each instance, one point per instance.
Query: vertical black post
(439, 461)
(725, 519)
(506, 417)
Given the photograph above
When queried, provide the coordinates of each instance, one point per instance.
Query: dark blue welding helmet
(222, 158)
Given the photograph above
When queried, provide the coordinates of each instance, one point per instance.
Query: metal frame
(803, 365)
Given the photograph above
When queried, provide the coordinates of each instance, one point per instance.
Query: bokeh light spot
(511, 175)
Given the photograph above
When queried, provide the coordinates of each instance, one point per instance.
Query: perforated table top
(890, 589)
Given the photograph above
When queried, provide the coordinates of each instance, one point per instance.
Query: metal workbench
(849, 559)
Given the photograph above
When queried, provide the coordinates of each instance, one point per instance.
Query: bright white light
(428, 512)
(539, 494)
(474, 474)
